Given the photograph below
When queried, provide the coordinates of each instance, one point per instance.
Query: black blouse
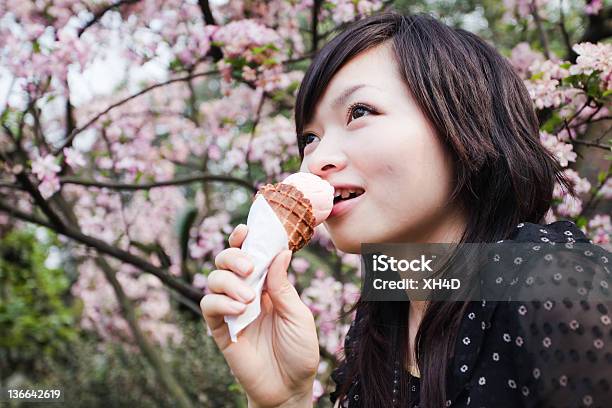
(548, 353)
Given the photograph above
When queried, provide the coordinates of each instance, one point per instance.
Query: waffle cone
(293, 210)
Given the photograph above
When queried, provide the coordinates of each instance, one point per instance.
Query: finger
(238, 235)
(285, 298)
(214, 306)
(228, 283)
(235, 260)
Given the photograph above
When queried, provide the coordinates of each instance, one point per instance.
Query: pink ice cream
(318, 191)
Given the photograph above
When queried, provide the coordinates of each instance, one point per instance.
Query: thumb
(284, 297)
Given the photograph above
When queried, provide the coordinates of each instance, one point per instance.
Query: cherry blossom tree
(143, 170)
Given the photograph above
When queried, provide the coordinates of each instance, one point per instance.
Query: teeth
(346, 192)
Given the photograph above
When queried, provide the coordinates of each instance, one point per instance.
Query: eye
(307, 138)
(358, 109)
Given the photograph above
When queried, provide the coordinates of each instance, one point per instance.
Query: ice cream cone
(293, 210)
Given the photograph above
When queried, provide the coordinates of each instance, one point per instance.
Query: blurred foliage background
(43, 342)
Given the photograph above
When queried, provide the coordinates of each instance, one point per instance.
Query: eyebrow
(342, 98)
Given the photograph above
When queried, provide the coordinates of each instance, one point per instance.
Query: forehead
(376, 68)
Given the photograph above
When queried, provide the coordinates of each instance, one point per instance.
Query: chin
(347, 240)
(348, 246)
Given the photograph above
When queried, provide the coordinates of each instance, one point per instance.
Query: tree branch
(78, 130)
(600, 26)
(101, 12)
(206, 12)
(255, 123)
(214, 51)
(571, 54)
(146, 347)
(27, 184)
(541, 32)
(593, 144)
(156, 184)
(314, 26)
(567, 122)
(8, 184)
(593, 199)
(189, 292)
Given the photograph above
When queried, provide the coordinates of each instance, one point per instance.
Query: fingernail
(243, 265)
(237, 306)
(246, 293)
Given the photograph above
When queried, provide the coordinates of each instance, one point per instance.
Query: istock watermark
(503, 271)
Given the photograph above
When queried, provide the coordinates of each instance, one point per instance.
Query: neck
(447, 228)
(415, 315)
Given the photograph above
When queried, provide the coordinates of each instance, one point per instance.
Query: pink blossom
(214, 152)
(45, 167)
(300, 265)
(200, 281)
(523, 57)
(600, 228)
(581, 184)
(74, 158)
(49, 186)
(248, 73)
(317, 390)
(550, 217)
(562, 151)
(327, 298)
(571, 206)
(593, 57)
(524, 8)
(601, 221)
(606, 189)
(593, 7)
(241, 37)
(210, 238)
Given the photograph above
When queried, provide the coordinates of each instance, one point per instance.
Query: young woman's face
(385, 146)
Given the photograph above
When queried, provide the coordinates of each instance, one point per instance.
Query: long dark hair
(483, 114)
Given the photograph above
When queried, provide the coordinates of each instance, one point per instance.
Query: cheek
(411, 171)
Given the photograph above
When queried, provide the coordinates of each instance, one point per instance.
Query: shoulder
(556, 326)
(554, 261)
(558, 231)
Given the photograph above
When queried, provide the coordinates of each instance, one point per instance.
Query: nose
(326, 159)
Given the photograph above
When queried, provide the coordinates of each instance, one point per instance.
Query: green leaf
(272, 47)
(258, 50)
(593, 86)
(175, 64)
(183, 226)
(269, 61)
(582, 221)
(552, 123)
(574, 80)
(329, 6)
(601, 177)
(537, 76)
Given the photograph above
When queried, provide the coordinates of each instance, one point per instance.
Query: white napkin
(266, 238)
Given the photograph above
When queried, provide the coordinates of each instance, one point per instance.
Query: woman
(439, 133)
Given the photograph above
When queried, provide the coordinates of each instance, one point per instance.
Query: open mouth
(345, 195)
